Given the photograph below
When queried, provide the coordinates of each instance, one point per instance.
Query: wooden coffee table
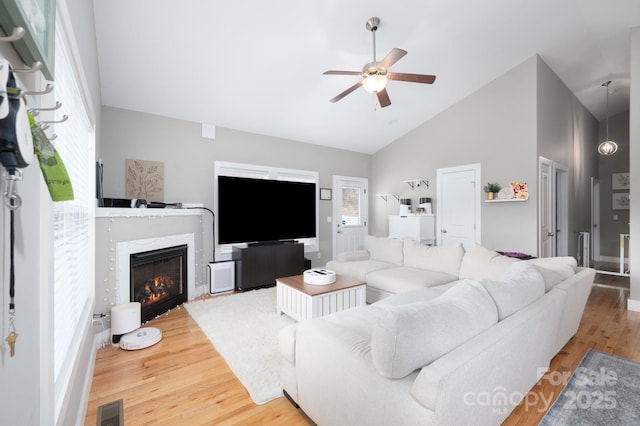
(303, 301)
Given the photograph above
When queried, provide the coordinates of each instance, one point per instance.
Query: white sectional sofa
(442, 352)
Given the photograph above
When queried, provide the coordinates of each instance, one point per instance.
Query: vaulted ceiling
(258, 66)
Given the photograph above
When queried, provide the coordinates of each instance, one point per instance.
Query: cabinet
(259, 265)
(421, 228)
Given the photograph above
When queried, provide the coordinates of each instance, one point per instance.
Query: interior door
(350, 210)
(546, 209)
(458, 205)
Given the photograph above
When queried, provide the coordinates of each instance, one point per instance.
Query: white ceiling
(257, 65)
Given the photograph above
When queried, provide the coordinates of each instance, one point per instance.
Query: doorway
(350, 213)
(553, 208)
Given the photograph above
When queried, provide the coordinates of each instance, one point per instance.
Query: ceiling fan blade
(392, 57)
(346, 92)
(383, 98)
(332, 72)
(412, 78)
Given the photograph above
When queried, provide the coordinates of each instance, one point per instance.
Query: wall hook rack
(53, 137)
(62, 120)
(36, 111)
(16, 34)
(22, 93)
(35, 67)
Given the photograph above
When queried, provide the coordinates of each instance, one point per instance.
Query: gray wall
(496, 127)
(189, 161)
(610, 228)
(525, 113)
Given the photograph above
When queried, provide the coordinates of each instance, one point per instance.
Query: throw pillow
(480, 262)
(521, 285)
(411, 336)
(384, 249)
(445, 259)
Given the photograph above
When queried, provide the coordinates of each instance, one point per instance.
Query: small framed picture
(620, 181)
(620, 201)
(325, 193)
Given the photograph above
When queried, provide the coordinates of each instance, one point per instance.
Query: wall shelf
(414, 183)
(510, 200)
(385, 197)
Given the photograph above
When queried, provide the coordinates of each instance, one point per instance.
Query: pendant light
(608, 147)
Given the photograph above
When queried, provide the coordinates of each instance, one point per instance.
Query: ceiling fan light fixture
(375, 83)
(608, 147)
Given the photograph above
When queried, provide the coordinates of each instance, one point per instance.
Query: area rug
(243, 328)
(604, 390)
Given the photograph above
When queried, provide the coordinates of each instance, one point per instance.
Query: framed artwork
(37, 18)
(620, 181)
(325, 193)
(620, 201)
(145, 180)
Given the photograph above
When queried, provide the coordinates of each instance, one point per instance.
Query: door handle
(444, 231)
(550, 234)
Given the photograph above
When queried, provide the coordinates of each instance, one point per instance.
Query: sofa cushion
(384, 249)
(410, 336)
(555, 269)
(480, 262)
(287, 342)
(401, 278)
(520, 286)
(445, 258)
(357, 269)
(351, 256)
(412, 296)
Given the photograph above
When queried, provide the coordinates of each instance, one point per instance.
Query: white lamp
(608, 147)
(125, 318)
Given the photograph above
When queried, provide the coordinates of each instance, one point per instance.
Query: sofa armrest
(577, 289)
(505, 360)
(353, 256)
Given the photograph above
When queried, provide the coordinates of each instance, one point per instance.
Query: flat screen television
(264, 210)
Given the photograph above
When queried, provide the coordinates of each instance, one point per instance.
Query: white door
(349, 213)
(546, 209)
(595, 220)
(458, 198)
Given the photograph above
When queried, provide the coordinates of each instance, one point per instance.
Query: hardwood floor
(183, 380)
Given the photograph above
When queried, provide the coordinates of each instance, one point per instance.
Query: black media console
(259, 265)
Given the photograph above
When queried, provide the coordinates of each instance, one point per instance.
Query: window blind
(73, 222)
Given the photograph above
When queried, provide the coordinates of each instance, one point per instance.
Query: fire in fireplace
(159, 280)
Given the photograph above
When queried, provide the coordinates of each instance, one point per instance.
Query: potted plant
(491, 188)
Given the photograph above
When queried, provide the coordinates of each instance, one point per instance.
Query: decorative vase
(489, 195)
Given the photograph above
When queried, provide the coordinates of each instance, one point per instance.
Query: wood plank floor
(184, 381)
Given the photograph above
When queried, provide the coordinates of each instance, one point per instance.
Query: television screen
(259, 210)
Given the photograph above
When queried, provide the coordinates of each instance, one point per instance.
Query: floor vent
(110, 414)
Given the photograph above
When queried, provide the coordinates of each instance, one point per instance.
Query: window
(351, 206)
(73, 222)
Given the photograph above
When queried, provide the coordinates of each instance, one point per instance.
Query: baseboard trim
(633, 305)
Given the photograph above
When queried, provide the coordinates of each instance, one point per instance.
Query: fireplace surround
(140, 249)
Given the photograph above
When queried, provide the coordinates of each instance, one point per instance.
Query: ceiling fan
(375, 75)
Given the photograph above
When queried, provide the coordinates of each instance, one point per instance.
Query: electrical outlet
(329, 219)
(319, 255)
(615, 217)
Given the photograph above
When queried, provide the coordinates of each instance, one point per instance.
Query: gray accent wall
(567, 135)
(613, 222)
(189, 162)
